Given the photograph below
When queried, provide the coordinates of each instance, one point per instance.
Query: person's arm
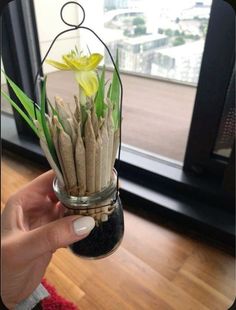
(33, 228)
(33, 301)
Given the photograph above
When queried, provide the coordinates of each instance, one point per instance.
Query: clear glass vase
(106, 209)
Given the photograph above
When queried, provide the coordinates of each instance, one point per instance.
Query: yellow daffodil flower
(84, 68)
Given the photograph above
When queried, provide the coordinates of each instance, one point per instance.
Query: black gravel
(103, 239)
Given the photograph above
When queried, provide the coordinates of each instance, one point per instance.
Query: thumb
(57, 234)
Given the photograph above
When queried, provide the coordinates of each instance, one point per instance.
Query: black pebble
(103, 238)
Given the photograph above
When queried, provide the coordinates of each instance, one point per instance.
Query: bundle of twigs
(80, 145)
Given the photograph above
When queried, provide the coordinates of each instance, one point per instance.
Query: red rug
(55, 301)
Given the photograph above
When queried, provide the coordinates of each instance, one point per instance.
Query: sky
(175, 5)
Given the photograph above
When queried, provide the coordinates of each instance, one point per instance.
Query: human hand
(32, 230)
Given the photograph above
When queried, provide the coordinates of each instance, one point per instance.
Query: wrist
(32, 302)
(4, 305)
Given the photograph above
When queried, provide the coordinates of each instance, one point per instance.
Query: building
(199, 10)
(115, 4)
(137, 54)
(121, 4)
(180, 62)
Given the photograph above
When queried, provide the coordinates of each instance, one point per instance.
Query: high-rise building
(137, 54)
(121, 4)
(115, 4)
(179, 62)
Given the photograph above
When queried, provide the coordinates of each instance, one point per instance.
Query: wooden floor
(154, 268)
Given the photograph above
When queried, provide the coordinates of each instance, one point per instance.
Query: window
(158, 112)
(165, 43)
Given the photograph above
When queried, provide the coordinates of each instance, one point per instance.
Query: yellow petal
(93, 61)
(70, 62)
(87, 63)
(57, 64)
(88, 81)
(81, 63)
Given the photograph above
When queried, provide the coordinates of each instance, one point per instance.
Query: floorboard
(154, 268)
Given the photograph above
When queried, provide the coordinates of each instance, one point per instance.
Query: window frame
(219, 52)
(184, 194)
(21, 60)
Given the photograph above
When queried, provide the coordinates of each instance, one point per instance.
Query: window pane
(226, 134)
(161, 39)
(161, 46)
(5, 106)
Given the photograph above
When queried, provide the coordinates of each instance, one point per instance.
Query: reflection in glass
(5, 106)
(226, 134)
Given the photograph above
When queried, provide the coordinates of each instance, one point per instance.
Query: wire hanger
(74, 27)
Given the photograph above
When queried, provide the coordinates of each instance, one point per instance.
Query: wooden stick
(80, 162)
(47, 153)
(63, 114)
(110, 129)
(94, 121)
(67, 156)
(68, 106)
(56, 126)
(104, 136)
(90, 151)
(98, 173)
(73, 132)
(52, 162)
(98, 164)
(77, 113)
(61, 109)
(115, 145)
(50, 112)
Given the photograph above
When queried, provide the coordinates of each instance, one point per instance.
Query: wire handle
(63, 19)
(76, 27)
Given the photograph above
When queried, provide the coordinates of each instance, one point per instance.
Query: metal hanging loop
(63, 19)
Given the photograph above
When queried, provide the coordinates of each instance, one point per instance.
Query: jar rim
(85, 202)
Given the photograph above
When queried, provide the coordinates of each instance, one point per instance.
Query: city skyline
(136, 32)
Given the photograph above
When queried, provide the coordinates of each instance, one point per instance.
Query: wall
(49, 25)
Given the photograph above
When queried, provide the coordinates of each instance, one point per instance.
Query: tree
(127, 33)
(140, 30)
(169, 32)
(203, 28)
(178, 41)
(138, 21)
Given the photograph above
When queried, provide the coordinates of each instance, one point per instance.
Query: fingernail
(83, 225)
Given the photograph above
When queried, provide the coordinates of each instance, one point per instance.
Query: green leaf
(46, 131)
(114, 94)
(76, 49)
(54, 111)
(25, 117)
(99, 100)
(27, 103)
(88, 49)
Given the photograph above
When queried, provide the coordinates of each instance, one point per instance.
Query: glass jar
(106, 209)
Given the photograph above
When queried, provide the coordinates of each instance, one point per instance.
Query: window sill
(153, 187)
